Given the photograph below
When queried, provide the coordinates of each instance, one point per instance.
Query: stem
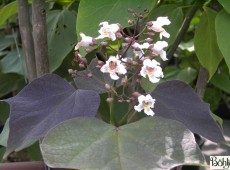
(40, 37)
(111, 109)
(201, 82)
(181, 34)
(27, 39)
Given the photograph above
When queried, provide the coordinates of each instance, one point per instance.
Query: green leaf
(205, 42)
(5, 134)
(91, 13)
(8, 83)
(89, 143)
(7, 11)
(175, 15)
(225, 4)
(61, 36)
(4, 111)
(222, 24)
(12, 63)
(5, 41)
(222, 80)
(2, 151)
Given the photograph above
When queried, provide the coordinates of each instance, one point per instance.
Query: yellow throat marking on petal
(150, 70)
(112, 66)
(147, 104)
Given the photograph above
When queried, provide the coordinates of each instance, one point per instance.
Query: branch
(181, 34)
(27, 39)
(201, 82)
(40, 37)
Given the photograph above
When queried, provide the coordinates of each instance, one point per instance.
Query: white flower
(152, 69)
(157, 49)
(85, 41)
(157, 26)
(146, 103)
(114, 67)
(140, 48)
(108, 31)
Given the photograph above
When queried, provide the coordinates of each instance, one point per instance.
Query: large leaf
(222, 25)
(176, 100)
(222, 80)
(43, 104)
(151, 143)
(96, 82)
(8, 83)
(12, 63)
(5, 134)
(61, 36)
(175, 15)
(7, 11)
(205, 42)
(225, 4)
(91, 13)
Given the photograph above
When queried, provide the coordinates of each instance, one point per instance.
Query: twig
(181, 33)
(201, 82)
(40, 37)
(27, 39)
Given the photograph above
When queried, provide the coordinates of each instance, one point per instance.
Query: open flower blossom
(157, 26)
(151, 69)
(114, 67)
(139, 49)
(108, 30)
(85, 41)
(146, 103)
(157, 49)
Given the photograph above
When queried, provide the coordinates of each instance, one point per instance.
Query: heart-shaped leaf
(107, 11)
(222, 24)
(151, 143)
(61, 35)
(225, 4)
(43, 104)
(176, 100)
(205, 42)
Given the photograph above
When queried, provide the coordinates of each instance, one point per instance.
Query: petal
(163, 55)
(112, 36)
(114, 76)
(165, 34)
(138, 107)
(153, 79)
(146, 62)
(145, 46)
(104, 68)
(114, 27)
(143, 71)
(148, 97)
(105, 23)
(121, 69)
(163, 21)
(141, 98)
(149, 112)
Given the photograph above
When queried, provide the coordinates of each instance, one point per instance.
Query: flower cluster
(132, 59)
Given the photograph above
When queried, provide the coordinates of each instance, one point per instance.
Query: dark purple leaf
(44, 103)
(176, 100)
(97, 81)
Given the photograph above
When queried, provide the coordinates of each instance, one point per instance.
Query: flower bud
(149, 24)
(104, 43)
(83, 60)
(109, 99)
(71, 71)
(146, 11)
(130, 22)
(124, 81)
(82, 65)
(135, 63)
(151, 34)
(107, 86)
(94, 42)
(88, 50)
(120, 100)
(149, 40)
(136, 94)
(98, 66)
(141, 17)
(128, 39)
(99, 62)
(130, 10)
(138, 80)
(90, 74)
(119, 35)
